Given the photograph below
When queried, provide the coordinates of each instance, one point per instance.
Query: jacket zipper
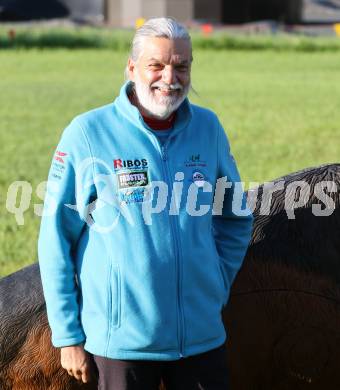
(174, 230)
(175, 234)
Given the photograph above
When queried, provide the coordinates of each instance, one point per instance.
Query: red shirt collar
(160, 124)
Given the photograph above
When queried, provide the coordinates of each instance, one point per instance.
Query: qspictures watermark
(19, 197)
(153, 198)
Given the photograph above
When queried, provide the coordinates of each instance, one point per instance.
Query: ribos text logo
(135, 164)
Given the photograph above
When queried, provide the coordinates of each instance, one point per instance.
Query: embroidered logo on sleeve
(58, 164)
(59, 156)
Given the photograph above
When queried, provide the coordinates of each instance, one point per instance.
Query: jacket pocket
(223, 284)
(114, 296)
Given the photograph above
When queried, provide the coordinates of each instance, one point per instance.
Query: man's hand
(77, 362)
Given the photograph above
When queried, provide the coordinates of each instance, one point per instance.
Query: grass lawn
(280, 110)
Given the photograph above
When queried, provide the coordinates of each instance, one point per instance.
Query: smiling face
(161, 75)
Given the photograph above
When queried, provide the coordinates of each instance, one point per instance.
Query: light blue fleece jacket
(132, 273)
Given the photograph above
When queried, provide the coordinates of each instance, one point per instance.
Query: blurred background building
(123, 13)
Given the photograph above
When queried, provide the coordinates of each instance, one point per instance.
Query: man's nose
(169, 76)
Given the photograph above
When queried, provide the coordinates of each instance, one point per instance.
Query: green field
(280, 110)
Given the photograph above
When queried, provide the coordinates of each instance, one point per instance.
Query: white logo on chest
(198, 178)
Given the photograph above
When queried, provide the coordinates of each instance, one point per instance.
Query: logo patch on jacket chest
(195, 160)
(132, 179)
(198, 178)
(135, 163)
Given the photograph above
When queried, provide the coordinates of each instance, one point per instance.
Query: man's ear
(130, 68)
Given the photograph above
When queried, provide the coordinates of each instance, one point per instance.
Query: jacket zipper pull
(164, 156)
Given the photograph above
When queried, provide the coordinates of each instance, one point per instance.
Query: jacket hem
(122, 354)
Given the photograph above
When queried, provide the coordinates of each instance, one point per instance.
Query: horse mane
(308, 242)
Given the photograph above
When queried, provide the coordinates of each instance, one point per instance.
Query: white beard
(163, 106)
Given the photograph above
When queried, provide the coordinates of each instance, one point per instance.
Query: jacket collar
(131, 112)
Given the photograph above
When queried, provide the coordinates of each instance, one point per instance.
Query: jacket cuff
(66, 342)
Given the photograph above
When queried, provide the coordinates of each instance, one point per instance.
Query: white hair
(160, 28)
(157, 27)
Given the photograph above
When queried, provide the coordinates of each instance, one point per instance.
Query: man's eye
(155, 66)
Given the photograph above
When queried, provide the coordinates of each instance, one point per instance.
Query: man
(136, 264)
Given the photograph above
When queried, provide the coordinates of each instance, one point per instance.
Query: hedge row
(86, 37)
(64, 38)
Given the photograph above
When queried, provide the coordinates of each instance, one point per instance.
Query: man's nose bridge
(168, 74)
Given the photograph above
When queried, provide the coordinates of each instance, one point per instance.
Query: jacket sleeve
(61, 226)
(232, 227)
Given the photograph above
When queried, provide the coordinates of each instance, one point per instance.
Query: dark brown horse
(283, 317)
